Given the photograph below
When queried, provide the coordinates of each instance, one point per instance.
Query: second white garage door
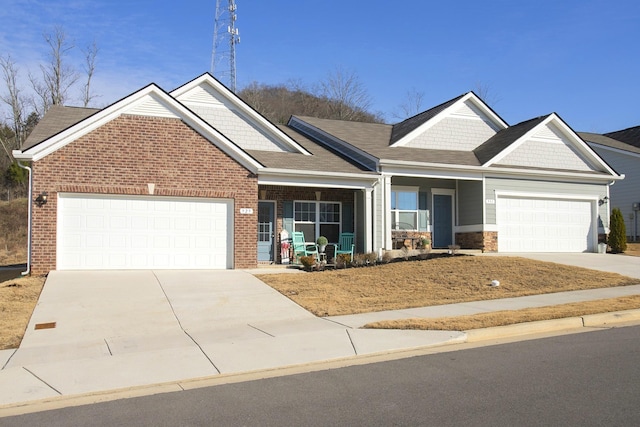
(544, 225)
(143, 232)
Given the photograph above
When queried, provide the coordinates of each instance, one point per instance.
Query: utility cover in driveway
(141, 232)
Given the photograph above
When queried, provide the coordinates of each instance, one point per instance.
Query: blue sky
(579, 58)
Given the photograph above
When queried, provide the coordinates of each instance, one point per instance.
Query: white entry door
(143, 232)
(545, 225)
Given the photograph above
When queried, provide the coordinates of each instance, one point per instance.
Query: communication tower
(225, 39)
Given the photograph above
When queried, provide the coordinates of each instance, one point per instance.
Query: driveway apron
(102, 330)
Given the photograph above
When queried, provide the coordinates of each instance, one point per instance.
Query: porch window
(318, 219)
(404, 208)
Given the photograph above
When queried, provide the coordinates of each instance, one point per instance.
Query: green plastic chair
(346, 244)
(302, 247)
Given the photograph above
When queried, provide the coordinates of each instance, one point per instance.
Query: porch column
(386, 212)
(368, 220)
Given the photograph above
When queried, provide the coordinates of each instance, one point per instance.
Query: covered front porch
(446, 212)
(314, 211)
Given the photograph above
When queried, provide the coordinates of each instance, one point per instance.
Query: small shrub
(342, 260)
(308, 262)
(387, 257)
(322, 241)
(370, 258)
(359, 260)
(617, 234)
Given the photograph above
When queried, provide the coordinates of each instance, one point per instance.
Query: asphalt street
(581, 379)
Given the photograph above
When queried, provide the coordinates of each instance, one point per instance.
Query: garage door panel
(139, 232)
(544, 225)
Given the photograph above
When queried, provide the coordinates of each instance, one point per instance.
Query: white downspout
(30, 204)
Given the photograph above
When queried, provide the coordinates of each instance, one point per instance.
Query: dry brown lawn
(633, 249)
(13, 232)
(18, 298)
(435, 281)
(510, 317)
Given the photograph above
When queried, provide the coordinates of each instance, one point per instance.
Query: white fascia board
(297, 178)
(121, 107)
(430, 170)
(447, 112)
(565, 176)
(19, 155)
(406, 168)
(242, 106)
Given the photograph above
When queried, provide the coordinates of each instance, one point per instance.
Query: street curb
(543, 326)
(604, 319)
(538, 327)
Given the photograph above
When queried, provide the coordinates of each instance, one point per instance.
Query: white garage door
(143, 232)
(544, 225)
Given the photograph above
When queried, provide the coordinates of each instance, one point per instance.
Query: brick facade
(126, 154)
(280, 194)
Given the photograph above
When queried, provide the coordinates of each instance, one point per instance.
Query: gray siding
(626, 192)
(541, 187)
(470, 202)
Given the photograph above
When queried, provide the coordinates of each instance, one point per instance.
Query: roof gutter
(496, 170)
(269, 176)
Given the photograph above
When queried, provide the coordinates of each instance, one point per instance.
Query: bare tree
(90, 55)
(411, 105)
(347, 96)
(57, 75)
(15, 100)
(484, 92)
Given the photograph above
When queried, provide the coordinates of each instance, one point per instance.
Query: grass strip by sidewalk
(511, 317)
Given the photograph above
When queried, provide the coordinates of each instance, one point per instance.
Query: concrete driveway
(621, 264)
(121, 329)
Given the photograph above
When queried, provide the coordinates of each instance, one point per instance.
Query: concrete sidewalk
(174, 326)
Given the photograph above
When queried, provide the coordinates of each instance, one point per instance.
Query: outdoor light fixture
(604, 200)
(41, 199)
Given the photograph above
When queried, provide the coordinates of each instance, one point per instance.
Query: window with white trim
(316, 219)
(404, 208)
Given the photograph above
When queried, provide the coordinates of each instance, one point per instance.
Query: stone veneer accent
(487, 241)
(122, 157)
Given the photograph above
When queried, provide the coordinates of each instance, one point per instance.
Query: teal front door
(266, 219)
(442, 220)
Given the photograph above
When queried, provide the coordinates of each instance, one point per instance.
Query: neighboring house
(196, 178)
(621, 150)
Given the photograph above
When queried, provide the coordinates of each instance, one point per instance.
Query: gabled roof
(629, 136)
(503, 139)
(599, 139)
(190, 92)
(357, 140)
(523, 132)
(404, 131)
(150, 100)
(57, 119)
(373, 139)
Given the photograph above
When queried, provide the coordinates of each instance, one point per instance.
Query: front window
(316, 219)
(404, 208)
